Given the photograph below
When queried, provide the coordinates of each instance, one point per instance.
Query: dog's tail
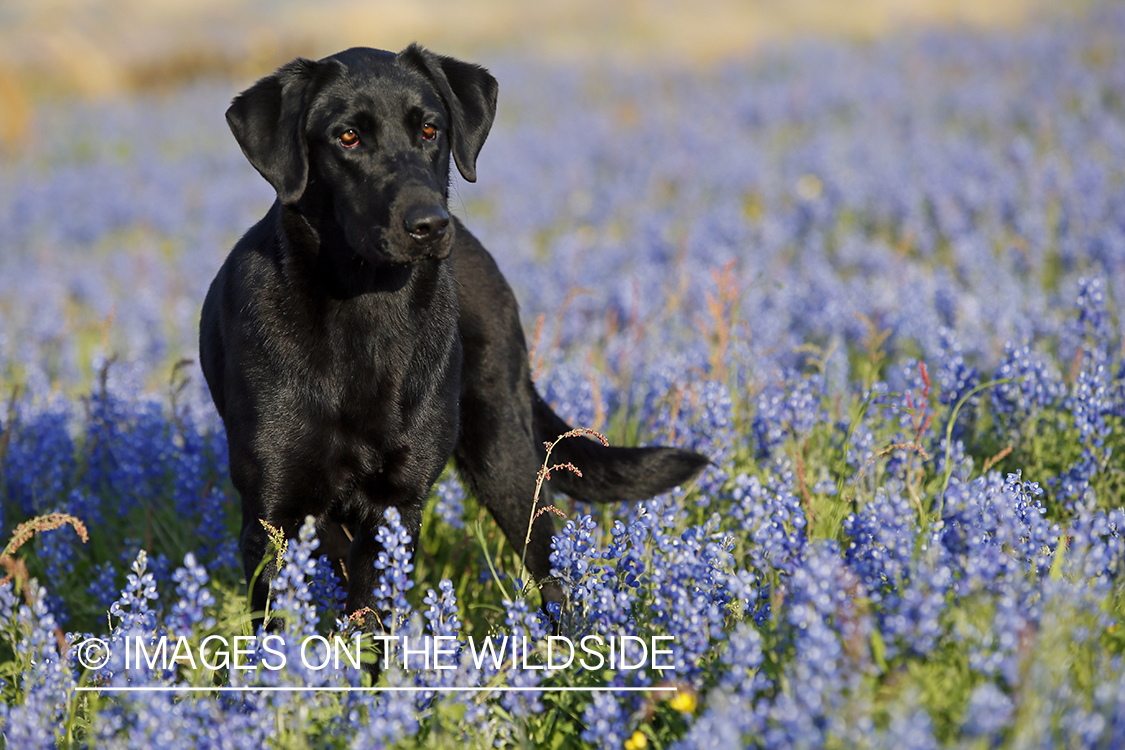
(611, 474)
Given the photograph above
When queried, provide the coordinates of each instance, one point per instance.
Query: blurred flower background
(867, 256)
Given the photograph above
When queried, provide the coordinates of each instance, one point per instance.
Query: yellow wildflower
(684, 701)
(637, 741)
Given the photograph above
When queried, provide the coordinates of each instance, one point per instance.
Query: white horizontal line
(299, 688)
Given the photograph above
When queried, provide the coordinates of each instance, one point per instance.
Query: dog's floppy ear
(469, 92)
(268, 121)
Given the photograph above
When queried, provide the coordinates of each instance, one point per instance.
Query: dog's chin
(442, 249)
(405, 254)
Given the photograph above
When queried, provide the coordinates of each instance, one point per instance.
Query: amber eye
(349, 138)
(429, 131)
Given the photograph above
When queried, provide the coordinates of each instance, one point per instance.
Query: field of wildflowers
(878, 285)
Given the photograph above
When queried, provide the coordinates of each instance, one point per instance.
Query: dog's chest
(365, 397)
(358, 375)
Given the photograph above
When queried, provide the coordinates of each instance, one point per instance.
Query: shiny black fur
(357, 337)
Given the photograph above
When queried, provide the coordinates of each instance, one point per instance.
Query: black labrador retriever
(358, 336)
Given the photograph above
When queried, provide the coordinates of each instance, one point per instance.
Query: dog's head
(361, 141)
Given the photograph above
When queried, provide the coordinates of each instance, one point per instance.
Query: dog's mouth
(443, 249)
(380, 252)
(384, 231)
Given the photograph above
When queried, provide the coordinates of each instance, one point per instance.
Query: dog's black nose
(426, 224)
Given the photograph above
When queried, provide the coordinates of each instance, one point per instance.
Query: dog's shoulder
(231, 306)
(255, 260)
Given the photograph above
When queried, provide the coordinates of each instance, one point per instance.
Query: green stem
(848, 441)
(478, 530)
(949, 437)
